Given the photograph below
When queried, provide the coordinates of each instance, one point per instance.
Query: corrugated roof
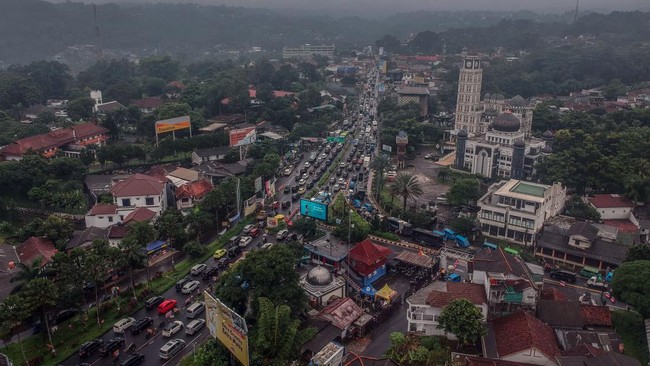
(341, 312)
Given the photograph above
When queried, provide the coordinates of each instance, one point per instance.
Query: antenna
(99, 45)
(575, 14)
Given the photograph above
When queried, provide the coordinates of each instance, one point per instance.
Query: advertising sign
(258, 184)
(271, 222)
(270, 188)
(313, 209)
(250, 206)
(387, 148)
(242, 136)
(173, 124)
(228, 327)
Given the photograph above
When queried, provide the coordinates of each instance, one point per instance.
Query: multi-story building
(308, 50)
(140, 191)
(515, 210)
(414, 94)
(468, 100)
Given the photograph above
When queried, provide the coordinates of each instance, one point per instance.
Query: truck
(399, 226)
(313, 156)
(593, 282)
(366, 162)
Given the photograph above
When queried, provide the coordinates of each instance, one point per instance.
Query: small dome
(518, 101)
(319, 276)
(506, 122)
(487, 96)
(462, 133)
(498, 96)
(548, 134)
(520, 143)
(490, 112)
(547, 150)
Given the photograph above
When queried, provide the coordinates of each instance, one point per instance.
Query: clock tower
(469, 95)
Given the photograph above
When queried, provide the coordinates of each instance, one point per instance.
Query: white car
(336, 188)
(267, 246)
(172, 328)
(123, 325)
(198, 269)
(307, 164)
(248, 228)
(341, 181)
(189, 287)
(244, 241)
(302, 182)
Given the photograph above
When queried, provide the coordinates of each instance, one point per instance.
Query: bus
(589, 271)
(399, 226)
(428, 238)
(511, 251)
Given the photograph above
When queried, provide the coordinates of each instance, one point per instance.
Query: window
(126, 202)
(149, 201)
(110, 219)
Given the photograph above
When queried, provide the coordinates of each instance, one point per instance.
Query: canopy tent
(417, 259)
(155, 246)
(386, 293)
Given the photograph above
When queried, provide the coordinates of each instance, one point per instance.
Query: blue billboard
(313, 209)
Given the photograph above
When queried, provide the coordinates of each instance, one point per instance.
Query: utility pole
(575, 14)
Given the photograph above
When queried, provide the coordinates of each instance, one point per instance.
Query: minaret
(469, 95)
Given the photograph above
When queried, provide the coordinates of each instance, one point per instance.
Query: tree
(464, 320)
(58, 229)
(398, 347)
(197, 222)
(638, 252)
(389, 42)
(379, 166)
(632, 286)
(132, 255)
(13, 311)
(40, 296)
(87, 156)
(443, 174)
(306, 227)
(579, 209)
(407, 186)
(101, 259)
(81, 108)
(28, 272)
(462, 225)
(464, 192)
(169, 225)
(72, 272)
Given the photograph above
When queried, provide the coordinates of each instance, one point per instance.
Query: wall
(532, 356)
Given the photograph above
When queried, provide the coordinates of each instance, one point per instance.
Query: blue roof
(156, 245)
(450, 232)
(462, 241)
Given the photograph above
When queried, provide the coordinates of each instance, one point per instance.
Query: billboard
(270, 187)
(173, 124)
(258, 184)
(242, 136)
(387, 148)
(250, 206)
(228, 327)
(313, 209)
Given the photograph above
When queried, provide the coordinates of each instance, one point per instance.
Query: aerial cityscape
(345, 183)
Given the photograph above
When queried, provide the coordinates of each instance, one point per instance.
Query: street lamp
(350, 226)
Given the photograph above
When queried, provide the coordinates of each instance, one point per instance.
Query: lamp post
(350, 227)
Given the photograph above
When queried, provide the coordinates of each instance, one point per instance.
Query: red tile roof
(140, 214)
(148, 102)
(102, 209)
(368, 252)
(609, 201)
(457, 290)
(33, 248)
(341, 312)
(177, 84)
(596, 315)
(480, 361)
(551, 293)
(85, 130)
(623, 225)
(194, 190)
(522, 331)
(252, 93)
(53, 139)
(138, 185)
(117, 232)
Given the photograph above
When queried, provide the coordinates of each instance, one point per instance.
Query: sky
(373, 8)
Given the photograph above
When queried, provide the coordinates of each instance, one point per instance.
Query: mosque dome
(319, 276)
(547, 150)
(518, 101)
(462, 133)
(520, 143)
(490, 112)
(548, 134)
(506, 122)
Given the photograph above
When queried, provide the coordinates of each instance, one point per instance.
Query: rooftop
(609, 201)
(140, 214)
(86, 237)
(368, 252)
(522, 331)
(103, 209)
(195, 190)
(138, 185)
(341, 312)
(450, 291)
(529, 189)
(35, 247)
(600, 249)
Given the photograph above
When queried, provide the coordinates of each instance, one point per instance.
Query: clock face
(476, 63)
(468, 64)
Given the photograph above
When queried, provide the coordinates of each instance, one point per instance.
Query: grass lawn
(632, 330)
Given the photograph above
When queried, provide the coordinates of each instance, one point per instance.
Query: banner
(228, 327)
(173, 124)
(270, 187)
(243, 136)
(250, 206)
(271, 222)
(258, 184)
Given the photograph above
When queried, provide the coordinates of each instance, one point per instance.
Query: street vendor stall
(386, 293)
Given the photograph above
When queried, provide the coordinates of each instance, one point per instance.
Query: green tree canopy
(464, 192)
(464, 320)
(632, 286)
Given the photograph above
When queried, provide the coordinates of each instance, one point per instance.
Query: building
(613, 207)
(507, 280)
(189, 194)
(35, 248)
(521, 338)
(182, 176)
(515, 210)
(70, 141)
(308, 50)
(414, 94)
(212, 154)
(148, 105)
(493, 135)
(341, 313)
(321, 286)
(368, 261)
(425, 306)
(85, 238)
(139, 190)
(102, 216)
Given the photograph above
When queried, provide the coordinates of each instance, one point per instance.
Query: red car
(254, 232)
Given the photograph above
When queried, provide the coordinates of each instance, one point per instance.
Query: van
(195, 309)
(166, 306)
(194, 326)
(171, 348)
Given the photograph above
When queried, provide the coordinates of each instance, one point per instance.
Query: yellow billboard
(173, 124)
(228, 327)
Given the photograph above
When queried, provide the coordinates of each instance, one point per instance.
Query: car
(286, 189)
(305, 176)
(332, 180)
(182, 282)
(172, 328)
(171, 348)
(234, 251)
(219, 253)
(310, 184)
(410, 164)
(287, 172)
(336, 188)
(267, 246)
(244, 241)
(88, 348)
(210, 272)
(64, 315)
(194, 326)
(111, 346)
(302, 190)
(247, 229)
(307, 164)
(341, 181)
(339, 172)
(168, 305)
(198, 269)
(141, 324)
(343, 164)
(133, 359)
(152, 302)
(282, 234)
(302, 182)
(123, 325)
(254, 232)
(224, 262)
(295, 196)
(234, 240)
(190, 286)
(286, 204)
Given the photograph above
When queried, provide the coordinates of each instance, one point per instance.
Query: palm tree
(197, 221)
(443, 174)
(407, 186)
(41, 295)
(169, 225)
(132, 256)
(29, 272)
(101, 259)
(379, 165)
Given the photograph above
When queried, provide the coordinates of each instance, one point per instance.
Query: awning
(155, 246)
(386, 293)
(417, 259)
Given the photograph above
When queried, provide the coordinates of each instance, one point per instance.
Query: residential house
(426, 305)
(212, 154)
(507, 280)
(34, 248)
(181, 176)
(521, 338)
(140, 214)
(140, 190)
(216, 172)
(102, 216)
(116, 233)
(516, 210)
(108, 107)
(189, 194)
(85, 238)
(148, 105)
(368, 260)
(615, 210)
(341, 313)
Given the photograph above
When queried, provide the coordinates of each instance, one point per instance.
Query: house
(85, 238)
(102, 216)
(140, 214)
(140, 190)
(520, 337)
(507, 280)
(212, 154)
(341, 313)
(425, 306)
(217, 172)
(189, 194)
(108, 107)
(516, 210)
(615, 210)
(148, 104)
(115, 234)
(181, 176)
(33, 248)
(605, 359)
(368, 260)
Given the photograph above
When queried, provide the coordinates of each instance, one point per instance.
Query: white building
(425, 306)
(320, 286)
(308, 50)
(137, 191)
(612, 206)
(102, 216)
(515, 210)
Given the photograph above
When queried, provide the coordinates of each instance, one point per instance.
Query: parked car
(111, 346)
(190, 286)
(123, 325)
(198, 269)
(267, 246)
(282, 234)
(172, 328)
(141, 324)
(152, 302)
(88, 348)
(133, 359)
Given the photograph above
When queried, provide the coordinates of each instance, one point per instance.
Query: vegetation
(579, 209)
(464, 192)
(411, 350)
(630, 285)
(406, 186)
(464, 320)
(630, 326)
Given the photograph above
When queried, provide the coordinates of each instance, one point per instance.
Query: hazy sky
(376, 7)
